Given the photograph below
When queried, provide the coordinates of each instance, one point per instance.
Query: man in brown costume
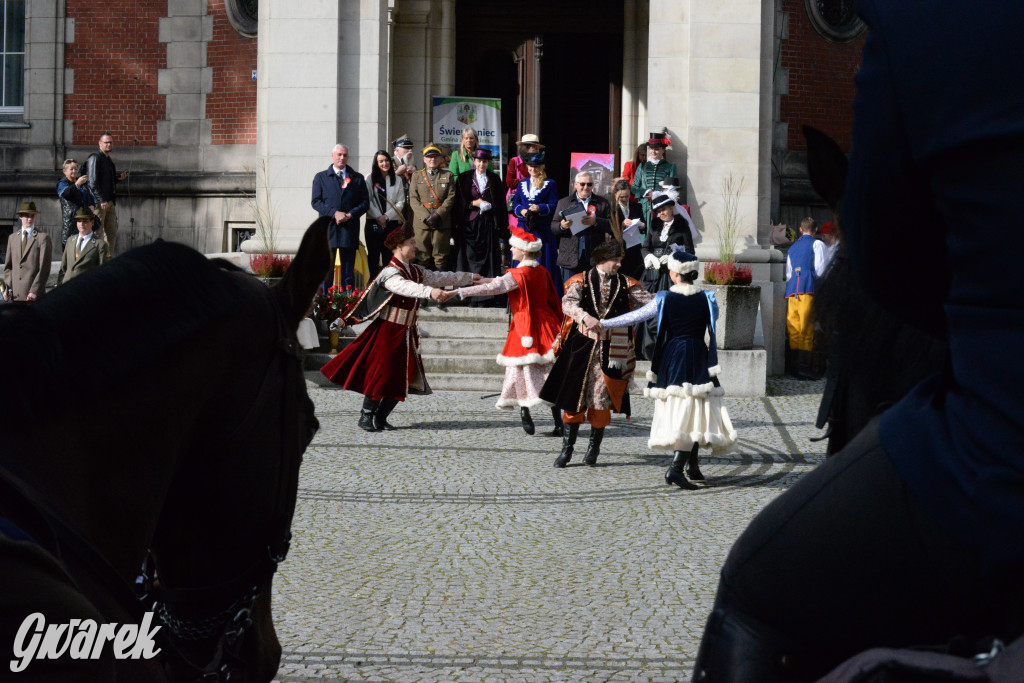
(592, 372)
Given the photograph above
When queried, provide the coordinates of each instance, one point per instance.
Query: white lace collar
(685, 289)
(530, 191)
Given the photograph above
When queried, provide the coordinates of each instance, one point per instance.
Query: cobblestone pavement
(451, 550)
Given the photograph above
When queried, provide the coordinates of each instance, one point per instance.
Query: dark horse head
(156, 408)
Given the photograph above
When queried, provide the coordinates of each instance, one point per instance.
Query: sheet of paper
(631, 235)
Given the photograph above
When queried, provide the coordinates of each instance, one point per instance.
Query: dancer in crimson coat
(383, 363)
(536, 317)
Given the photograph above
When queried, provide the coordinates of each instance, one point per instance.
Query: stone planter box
(737, 314)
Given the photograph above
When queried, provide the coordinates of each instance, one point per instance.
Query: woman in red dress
(629, 168)
(536, 319)
(383, 363)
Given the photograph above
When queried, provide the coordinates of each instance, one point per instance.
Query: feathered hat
(682, 261)
(526, 241)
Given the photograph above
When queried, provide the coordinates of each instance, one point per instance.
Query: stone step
(463, 330)
(465, 382)
(440, 346)
(461, 364)
(463, 314)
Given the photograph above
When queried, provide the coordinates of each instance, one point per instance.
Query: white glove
(485, 207)
(664, 258)
(651, 261)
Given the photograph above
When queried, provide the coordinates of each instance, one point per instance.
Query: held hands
(341, 216)
(479, 279)
(440, 295)
(591, 324)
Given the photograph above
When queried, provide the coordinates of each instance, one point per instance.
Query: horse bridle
(226, 629)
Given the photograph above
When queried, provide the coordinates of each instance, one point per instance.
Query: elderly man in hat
(432, 197)
(83, 252)
(27, 265)
(591, 375)
(649, 175)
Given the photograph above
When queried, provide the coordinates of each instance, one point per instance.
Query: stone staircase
(459, 345)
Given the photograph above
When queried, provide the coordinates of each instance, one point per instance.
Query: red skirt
(380, 363)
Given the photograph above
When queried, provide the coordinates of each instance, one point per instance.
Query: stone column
(186, 30)
(321, 80)
(423, 65)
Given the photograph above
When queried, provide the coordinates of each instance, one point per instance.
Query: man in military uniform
(432, 197)
(27, 265)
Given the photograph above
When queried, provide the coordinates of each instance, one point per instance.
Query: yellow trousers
(799, 322)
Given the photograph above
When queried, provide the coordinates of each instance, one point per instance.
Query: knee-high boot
(568, 442)
(556, 415)
(594, 447)
(675, 474)
(380, 418)
(693, 464)
(366, 414)
(524, 414)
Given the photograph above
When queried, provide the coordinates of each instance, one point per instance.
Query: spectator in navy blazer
(341, 192)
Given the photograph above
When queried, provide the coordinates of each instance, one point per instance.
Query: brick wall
(115, 58)
(821, 74)
(231, 106)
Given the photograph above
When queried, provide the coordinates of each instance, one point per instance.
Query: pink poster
(601, 166)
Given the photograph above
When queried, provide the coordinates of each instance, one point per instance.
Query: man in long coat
(341, 192)
(592, 372)
(27, 264)
(432, 197)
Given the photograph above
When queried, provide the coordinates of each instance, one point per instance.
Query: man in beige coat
(83, 252)
(432, 197)
(27, 265)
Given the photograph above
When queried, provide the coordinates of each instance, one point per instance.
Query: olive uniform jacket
(93, 254)
(27, 271)
(422, 190)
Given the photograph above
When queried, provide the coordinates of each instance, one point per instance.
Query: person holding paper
(628, 228)
(667, 228)
(581, 222)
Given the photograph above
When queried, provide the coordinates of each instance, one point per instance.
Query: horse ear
(307, 272)
(826, 166)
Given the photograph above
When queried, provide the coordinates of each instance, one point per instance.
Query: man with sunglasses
(574, 250)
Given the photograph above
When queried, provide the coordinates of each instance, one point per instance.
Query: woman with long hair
(387, 199)
(462, 160)
(630, 167)
(534, 206)
(626, 213)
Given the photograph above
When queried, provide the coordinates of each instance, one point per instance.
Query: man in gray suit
(84, 252)
(27, 265)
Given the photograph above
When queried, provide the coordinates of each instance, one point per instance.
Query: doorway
(572, 89)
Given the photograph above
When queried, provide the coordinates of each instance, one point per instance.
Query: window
(243, 15)
(12, 59)
(834, 19)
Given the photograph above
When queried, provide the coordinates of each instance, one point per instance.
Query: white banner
(483, 114)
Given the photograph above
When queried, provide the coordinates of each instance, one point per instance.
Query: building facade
(223, 110)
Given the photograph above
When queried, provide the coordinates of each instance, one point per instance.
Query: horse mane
(108, 324)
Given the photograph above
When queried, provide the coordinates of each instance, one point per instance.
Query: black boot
(528, 427)
(675, 475)
(366, 414)
(594, 447)
(380, 418)
(693, 466)
(568, 441)
(556, 415)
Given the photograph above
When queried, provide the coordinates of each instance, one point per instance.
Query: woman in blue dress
(534, 206)
(683, 380)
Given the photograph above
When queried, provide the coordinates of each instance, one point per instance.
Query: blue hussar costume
(688, 409)
(801, 274)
